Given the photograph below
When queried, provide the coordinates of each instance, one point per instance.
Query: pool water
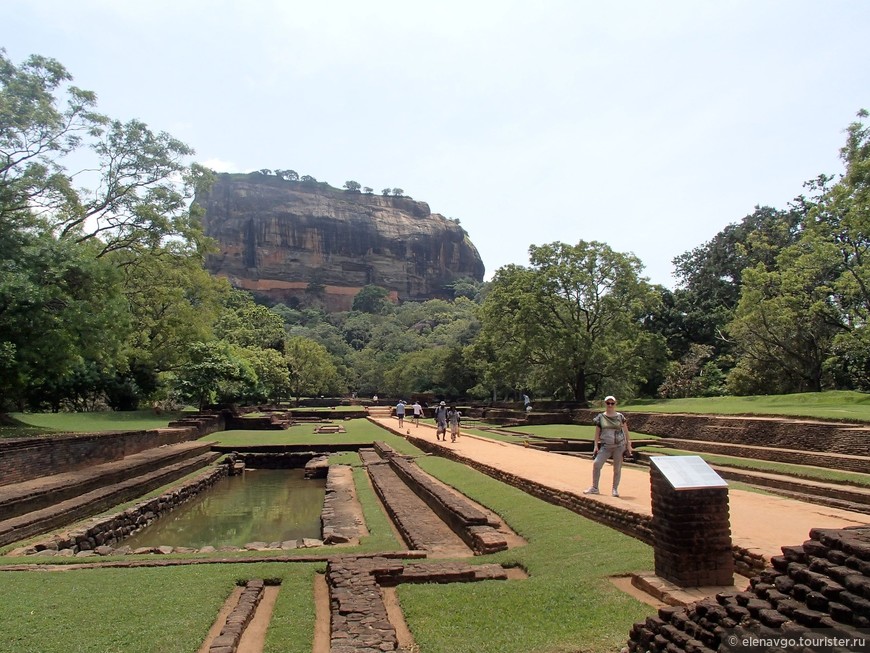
(261, 505)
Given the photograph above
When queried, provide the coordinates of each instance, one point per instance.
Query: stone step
(28, 496)
(91, 503)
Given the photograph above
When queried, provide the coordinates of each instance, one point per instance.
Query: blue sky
(647, 125)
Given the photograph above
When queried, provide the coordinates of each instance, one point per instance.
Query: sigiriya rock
(307, 243)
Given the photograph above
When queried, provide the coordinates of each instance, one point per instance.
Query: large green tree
(710, 278)
(124, 206)
(802, 325)
(571, 323)
(310, 368)
(60, 309)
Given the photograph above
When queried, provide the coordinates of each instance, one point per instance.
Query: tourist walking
(400, 412)
(611, 441)
(418, 413)
(441, 421)
(453, 416)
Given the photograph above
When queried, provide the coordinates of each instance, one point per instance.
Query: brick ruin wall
(818, 589)
(25, 459)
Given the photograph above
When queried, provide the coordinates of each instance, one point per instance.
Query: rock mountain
(306, 243)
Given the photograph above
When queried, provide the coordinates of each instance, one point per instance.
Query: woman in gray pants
(611, 440)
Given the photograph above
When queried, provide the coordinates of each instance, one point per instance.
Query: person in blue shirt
(400, 412)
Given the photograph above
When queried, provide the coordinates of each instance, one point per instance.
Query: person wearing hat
(611, 441)
(441, 421)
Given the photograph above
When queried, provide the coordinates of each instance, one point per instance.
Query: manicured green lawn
(358, 431)
(840, 404)
(153, 610)
(47, 423)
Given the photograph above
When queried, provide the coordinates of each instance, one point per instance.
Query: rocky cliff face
(304, 244)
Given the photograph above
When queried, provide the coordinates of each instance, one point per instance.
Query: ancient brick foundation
(24, 459)
(822, 584)
(463, 518)
(234, 627)
(359, 621)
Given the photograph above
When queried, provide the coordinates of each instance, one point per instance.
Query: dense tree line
(104, 300)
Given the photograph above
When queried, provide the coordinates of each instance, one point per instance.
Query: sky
(647, 125)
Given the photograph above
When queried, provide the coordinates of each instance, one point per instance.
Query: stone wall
(103, 536)
(24, 459)
(454, 509)
(822, 584)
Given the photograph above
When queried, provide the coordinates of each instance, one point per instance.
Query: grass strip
(845, 405)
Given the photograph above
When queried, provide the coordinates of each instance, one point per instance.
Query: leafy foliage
(571, 323)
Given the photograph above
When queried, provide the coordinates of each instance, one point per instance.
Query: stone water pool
(261, 505)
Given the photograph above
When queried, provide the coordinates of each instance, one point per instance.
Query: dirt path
(759, 523)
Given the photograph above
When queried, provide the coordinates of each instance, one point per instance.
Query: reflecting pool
(261, 505)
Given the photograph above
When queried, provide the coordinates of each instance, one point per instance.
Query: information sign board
(688, 472)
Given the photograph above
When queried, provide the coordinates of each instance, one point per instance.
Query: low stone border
(359, 621)
(340, 519)
(238, 619)
(463, 518)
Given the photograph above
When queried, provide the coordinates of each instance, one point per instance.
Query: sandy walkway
(759, 522)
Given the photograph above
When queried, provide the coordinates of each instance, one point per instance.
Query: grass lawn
(567, 603)
(30, 424)
(839, 404)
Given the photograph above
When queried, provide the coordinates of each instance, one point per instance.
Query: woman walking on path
(611, 440)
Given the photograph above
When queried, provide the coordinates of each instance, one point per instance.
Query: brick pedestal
(691, 534)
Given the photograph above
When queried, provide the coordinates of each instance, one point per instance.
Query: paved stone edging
(463, 518)
(181, 562)
(238, 619)
(359, 621)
